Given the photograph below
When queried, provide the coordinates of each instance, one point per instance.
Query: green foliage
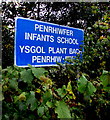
(105, 78)
(13, 84)
(27, 76)
(40, 98)
(85, 87)
(38, 72)
(47, 96)
(31, 100)
(62, 110)
(62, 91)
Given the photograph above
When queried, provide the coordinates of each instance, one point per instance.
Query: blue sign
(44, 44)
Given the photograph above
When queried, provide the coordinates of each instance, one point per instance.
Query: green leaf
(105, 72)
(61, 91)
(13, 83)
(47, 96)
(38, 72)
(40, 111)
(31, 100)
(82, 82)
(62, 110)
(22, 96)
(49, 104)
(90, 88)
(27, 76)
(85, 86)
(105, 78)
(22, 106)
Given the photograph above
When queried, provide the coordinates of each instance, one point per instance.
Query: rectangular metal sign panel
(44, 44)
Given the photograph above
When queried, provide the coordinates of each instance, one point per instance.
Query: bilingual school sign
(44, 44)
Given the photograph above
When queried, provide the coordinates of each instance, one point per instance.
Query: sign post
(43, 44)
